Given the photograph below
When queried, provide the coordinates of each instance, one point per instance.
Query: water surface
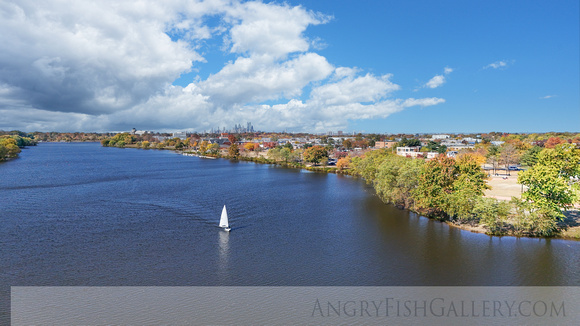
(82, 214)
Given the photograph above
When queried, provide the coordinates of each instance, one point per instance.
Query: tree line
(452, 189)
(11, 144)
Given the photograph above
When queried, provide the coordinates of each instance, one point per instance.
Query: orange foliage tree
(553, 141)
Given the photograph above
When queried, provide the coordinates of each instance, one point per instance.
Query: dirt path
(504, 187)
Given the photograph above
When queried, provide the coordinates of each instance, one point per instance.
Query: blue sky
(316, 66)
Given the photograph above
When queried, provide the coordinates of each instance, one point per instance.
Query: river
(81, 214)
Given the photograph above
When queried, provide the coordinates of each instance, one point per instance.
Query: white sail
(224, 218)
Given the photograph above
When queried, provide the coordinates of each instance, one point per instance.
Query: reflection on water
(81, 214)
(224, 253)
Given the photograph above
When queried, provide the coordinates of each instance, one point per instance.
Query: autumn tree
(343, 163)
(234, 150)
(435, 184)
(8, 147)
(347, 143)
(204, 146)
(315, 154)
(508, 155)
(250, 146)
(449, 187)
(553, 141)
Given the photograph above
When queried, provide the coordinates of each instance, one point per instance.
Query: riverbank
(503, 188)
(262, 159)
(569, 227)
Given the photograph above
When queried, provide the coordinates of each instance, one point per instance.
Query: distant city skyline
(299, 66)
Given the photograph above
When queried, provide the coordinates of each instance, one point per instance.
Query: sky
(372, 66)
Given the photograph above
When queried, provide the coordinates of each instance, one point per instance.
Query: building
(385, 144)
(180, 134)
(406, 151)
(434, 137)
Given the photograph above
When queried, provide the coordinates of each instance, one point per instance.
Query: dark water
(81, 214)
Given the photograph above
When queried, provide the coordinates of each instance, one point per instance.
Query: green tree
(492, 213)
(530, 157)
(396, 179)
(467, 188)
(552, 182)
(533, 220)
(214, 148)
(409, 142)
(3, 152)
(287, 154)
(492, 156)
(435, 184)
(367, 165)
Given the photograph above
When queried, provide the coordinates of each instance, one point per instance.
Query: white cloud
(109, 65)
(547, 97)
(267, 29)
(259, 78)
(88, 57)
(435, 82)
(351, 89)
(501, 64)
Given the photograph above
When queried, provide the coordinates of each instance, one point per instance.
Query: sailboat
(224, 220)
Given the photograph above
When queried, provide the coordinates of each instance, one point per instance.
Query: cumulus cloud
(259, 78)
(88, 57)
(272, 30)
(435, 82)
(438, 80)
(109, 65)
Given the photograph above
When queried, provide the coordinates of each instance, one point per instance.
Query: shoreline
(572, 233)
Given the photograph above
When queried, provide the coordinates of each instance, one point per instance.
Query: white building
(180, 134)
(434, 137)
(407, 151)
